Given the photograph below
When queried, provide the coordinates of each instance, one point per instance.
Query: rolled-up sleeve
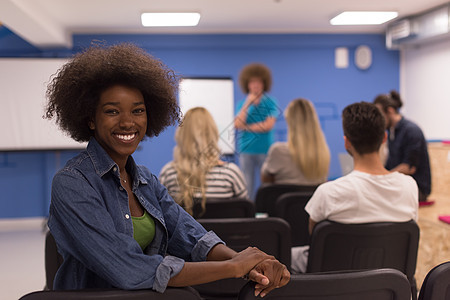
(171, 265)
(204, 245)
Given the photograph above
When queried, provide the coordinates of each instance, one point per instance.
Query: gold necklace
(123, 179)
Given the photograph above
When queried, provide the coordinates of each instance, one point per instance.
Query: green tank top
(143, 229)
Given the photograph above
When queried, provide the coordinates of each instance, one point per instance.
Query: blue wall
(302, 66)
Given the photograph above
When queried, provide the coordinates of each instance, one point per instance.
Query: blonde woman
(197, 171)
(305, 158)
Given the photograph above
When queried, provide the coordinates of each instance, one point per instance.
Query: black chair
(53, 260)
(225, 208)
(381, 284)
(267, 194)
(187, 293)
(291, 207)
(336, 247)
(271, 235)
(436, 285)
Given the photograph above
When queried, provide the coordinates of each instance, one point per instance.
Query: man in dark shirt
(408, 151)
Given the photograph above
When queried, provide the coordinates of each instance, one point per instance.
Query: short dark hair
(255, 70)
(389, 100)
(74, 91)
(364, 126)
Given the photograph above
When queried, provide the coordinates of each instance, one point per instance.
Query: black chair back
(186, 293)
(53, 260)
(291, 207)
(225, 208)
(336, 247)
(381, 284)
(271, 235)
(267, 195)
(436, 285)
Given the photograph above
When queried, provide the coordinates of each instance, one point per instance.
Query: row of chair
(378, 284)
(334, 247)
(275, 200)
(275, 235)
(267, 195)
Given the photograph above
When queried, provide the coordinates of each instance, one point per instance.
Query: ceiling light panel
(363, 17)
(170, 19)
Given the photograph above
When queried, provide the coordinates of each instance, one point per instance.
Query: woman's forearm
(220, 252)
(222, 263)
(194, 273)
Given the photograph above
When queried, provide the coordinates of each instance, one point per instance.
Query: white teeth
(126, 137)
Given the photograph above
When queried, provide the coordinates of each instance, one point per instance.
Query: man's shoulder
(346, 183)
(337, 186)
(411, 127)
(403, 178)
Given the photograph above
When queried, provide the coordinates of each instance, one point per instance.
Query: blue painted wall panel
(302, 66)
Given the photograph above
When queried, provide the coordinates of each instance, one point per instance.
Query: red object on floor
(426, 203)
(445, 219)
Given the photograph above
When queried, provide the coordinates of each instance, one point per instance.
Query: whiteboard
(216, 95)
(23, 83)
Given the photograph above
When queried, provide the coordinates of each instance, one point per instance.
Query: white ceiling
(49, 23)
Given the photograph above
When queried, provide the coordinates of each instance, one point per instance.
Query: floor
(434, 245)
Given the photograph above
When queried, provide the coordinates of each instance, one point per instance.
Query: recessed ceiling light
(363, 17)
(170, 19)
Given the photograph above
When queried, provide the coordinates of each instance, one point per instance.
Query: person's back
(361, 197)
(224, 180)
(304, 159)
(196, 171)
(368, 194)
(280, 168)
(408, 152)
(407, 144)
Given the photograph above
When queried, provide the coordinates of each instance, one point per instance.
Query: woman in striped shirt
(196, 172)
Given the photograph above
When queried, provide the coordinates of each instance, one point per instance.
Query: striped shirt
(222, 181)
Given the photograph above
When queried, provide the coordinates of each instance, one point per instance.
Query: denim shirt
(91, 222)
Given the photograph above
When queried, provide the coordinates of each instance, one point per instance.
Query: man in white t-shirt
(370, 193)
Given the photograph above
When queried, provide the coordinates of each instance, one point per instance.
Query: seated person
(114, 223)
(408, 149)
(196, 172)
(368, 194)
(305, 158)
